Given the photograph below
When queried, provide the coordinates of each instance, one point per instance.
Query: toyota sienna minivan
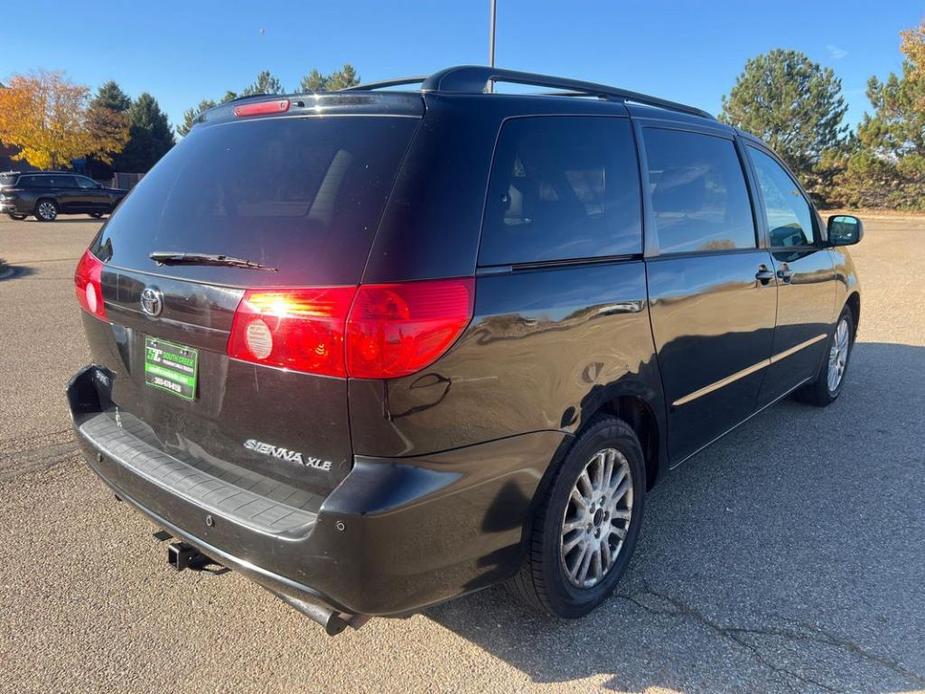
(380, 347)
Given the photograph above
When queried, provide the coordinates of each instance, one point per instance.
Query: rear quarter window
(562, 188)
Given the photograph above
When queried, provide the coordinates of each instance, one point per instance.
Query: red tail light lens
(261, 108)
(370, 331)
(88, 285)
(300, 329)
(398, 329)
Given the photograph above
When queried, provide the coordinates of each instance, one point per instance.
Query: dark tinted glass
(303, 195)
(790, 221)
(85, 182)
(561, 188)
(698, 192)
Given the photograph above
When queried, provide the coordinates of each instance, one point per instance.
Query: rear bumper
(395, 536)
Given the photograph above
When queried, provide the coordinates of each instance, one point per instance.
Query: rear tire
(824, 390)
(17, 217)
(604, 523)
(46, 210)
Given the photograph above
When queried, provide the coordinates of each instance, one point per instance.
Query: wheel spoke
(571, 544)
(579, 560)
(621, 475)
(584, 481)
(606, 553)
(580, 499)
(621, 491)
(585, 565)
(597, 564)
(608, 469)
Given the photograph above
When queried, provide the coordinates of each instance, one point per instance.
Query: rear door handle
(764, 275)
(785, 274)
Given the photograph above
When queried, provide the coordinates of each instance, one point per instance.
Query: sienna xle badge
(379, 348)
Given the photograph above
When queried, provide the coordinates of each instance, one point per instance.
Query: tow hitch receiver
(181, 556)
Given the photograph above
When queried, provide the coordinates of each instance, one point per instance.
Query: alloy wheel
(47, 210)
(838, 355)
(597, 518)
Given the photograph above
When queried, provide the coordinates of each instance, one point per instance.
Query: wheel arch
(39, 200)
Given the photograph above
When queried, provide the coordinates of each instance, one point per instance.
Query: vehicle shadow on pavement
(12, 272)
(787, 556)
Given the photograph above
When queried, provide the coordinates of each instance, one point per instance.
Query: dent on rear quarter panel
(545, 348)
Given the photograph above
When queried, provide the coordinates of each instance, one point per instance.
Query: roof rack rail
(473, 79)
(367, 86)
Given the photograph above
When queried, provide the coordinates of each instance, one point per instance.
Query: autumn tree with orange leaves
(50, 119)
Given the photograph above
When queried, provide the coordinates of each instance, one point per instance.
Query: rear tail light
(397, 329)
(300, 329)
(88, 285)
(370, 331)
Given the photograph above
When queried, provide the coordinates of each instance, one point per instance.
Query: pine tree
(266, 83)
(796, 106)
(150, 136)
(108, 119)
(191, 116)
(314, 81)
(887, 168)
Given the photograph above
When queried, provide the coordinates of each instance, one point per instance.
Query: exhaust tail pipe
(182, 555)
(333, 622)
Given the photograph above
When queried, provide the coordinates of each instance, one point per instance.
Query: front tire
(46, 210)
(824, 390)
(586, 526)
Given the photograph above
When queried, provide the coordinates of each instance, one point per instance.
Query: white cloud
(835, 52)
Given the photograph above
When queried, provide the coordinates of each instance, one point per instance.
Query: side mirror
(845, 230)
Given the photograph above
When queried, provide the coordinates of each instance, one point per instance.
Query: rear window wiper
(166, 258)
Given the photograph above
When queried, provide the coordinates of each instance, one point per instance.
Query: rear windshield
(303, 195)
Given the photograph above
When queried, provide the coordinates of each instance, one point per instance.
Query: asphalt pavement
(790, 556)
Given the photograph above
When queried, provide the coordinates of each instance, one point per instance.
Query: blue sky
(685, 50)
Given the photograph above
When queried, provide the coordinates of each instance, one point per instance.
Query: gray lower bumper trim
(127, 446)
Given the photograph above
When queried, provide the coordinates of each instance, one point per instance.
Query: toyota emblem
(152, 301)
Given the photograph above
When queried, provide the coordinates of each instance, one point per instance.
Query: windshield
(303, 195)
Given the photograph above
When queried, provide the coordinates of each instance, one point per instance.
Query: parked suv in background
(46, 194)
(376, 349)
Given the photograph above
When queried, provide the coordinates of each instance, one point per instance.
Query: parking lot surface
(790, 556)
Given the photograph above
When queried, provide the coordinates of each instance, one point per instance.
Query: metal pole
(491, 40)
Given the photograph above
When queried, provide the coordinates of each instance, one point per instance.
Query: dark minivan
(46, 194)
(379, 348)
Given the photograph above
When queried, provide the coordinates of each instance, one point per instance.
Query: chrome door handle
(764, 275)
(785, 274)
